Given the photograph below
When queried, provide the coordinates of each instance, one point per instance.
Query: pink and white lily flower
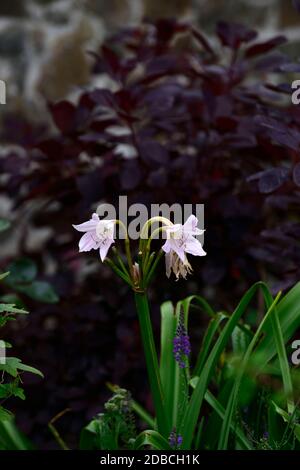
(181, 240)
(99, 234)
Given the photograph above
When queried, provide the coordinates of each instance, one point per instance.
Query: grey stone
(12, 40)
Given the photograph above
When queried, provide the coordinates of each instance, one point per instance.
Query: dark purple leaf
(289, 139)
(234, 34)
(111, 60)
(226, 123)
(162, 65)
(266, 46)
(52, 148)
(290, 68)
(103, 97)
(240, 141)
(161, 99)
(130, 175)
(153, 153)
(296, 174)
(279, 132)
(91, 187)
(262, 254)
(270, 180)
(125, 100)
(202, 40)
(64, 115)
(280, 88)
(272, 62)
(167, 28)
(157, 178)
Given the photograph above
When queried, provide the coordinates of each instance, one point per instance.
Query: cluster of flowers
(180, 240)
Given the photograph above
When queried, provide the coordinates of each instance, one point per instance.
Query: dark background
(207, 105)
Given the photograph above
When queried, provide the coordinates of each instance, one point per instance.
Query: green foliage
(153, 439)
(4, 225)
(8, 311)
(13, 366)
(241, 392)
(11, 369)
(10, 436)
(22, 278)
(22, 271)
(115, 428)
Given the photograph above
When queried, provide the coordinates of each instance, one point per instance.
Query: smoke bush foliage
(178, 113)
(180, 119)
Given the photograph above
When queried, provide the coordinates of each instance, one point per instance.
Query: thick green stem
(142, 306)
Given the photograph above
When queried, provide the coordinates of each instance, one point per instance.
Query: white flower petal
(104, 247)
(88, 243)
(88, 226)
(190, 226)
(166, 246)
(194, 247)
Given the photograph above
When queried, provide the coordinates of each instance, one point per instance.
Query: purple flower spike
(181, 343)
(175, 440)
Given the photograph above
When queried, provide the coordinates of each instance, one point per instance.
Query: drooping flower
(179, 268)
(181, 240)
(181, 343)
(99, 234)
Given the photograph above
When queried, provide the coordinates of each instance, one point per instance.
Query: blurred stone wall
(43, 43)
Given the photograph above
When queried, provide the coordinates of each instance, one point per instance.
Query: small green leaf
(12, 299)
(11, 308)
(3, 275)
(4, 392)
(10, 366)
(285, 416)
(19, 392)
(4, 414)
(41, 291)
(13, 365)
(11, 389)
(4, 225)
(31, 369)
(3, 321)
(22, 271)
